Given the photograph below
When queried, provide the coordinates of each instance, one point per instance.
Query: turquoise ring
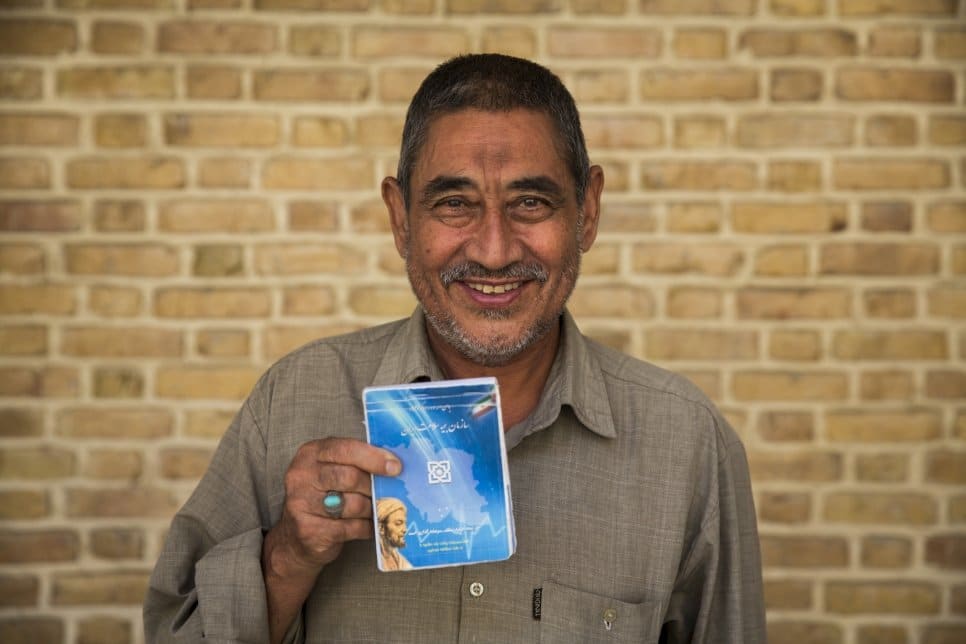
(333, 503)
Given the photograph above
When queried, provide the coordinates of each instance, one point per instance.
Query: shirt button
(477, 589)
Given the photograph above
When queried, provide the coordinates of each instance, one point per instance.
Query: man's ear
(392, 196)
(591, 207)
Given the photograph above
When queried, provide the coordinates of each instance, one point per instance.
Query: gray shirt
(631, 496)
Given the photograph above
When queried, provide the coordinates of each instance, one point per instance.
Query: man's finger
(349, 451)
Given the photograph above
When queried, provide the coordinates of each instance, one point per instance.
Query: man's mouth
(494, 289)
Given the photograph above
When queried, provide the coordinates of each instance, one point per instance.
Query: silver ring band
(333, 503)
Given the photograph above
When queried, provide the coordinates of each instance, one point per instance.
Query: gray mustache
(517, 270)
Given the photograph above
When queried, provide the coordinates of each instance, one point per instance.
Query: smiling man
(631, 495)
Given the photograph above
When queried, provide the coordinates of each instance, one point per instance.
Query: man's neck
(521, 380)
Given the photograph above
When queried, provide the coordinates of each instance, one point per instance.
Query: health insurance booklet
(451, 504)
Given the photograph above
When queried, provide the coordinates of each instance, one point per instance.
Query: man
(631, 495)
(391, 519)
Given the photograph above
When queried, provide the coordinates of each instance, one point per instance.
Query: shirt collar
(576, 379)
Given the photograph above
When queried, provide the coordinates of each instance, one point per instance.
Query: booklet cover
(451, 504)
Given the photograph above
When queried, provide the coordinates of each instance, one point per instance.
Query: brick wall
(190, 190)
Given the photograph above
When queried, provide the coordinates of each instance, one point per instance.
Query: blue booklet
(451, 504)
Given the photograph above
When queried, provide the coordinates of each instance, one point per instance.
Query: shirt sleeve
(718, 595)
(208, 583)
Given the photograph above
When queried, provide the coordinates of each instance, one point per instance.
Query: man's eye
(531, 209)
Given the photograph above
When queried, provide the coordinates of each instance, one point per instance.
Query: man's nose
(495, 243)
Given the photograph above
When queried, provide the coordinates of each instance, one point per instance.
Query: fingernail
(393, 467)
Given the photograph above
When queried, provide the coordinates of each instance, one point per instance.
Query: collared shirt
(631, 497)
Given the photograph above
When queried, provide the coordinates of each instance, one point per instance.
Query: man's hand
(306, 538)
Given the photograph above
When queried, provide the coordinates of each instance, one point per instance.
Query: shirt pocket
(569, 615)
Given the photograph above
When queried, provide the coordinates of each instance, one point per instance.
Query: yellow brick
(21, 259)
(950, 43)
(315, 40)
(308, 259)
(113, 37)
(881, 634)
(719, 260)
(311, 85)
(798, 551)
(224, 343)
(784, 303)
(21, 504)
(946, 384)
(191, 302)
(207, 423)
(782, 426)
(600, 86)
(795, 84)
(895, 84)
(699, 175)
(503, 6)
(408, 6)
(797, 8)
(30, 630)
(885, 508)
(24, 173)
(36, 37)
(612, 42)
(897, 7)
(214, 81)
(114, 423)
(890, 303)
(104, 629)
(947, 130)
(118, 383)
(216, 37)
(764, 43)
(225, 172)
(798, 130)
(886, 385)
(894, 597)
(146, 260)
(799, 345)
(701, 344)
(369, 217)
(700, 43)
(784, 507)
(46, 382)
(895, 42)
(120, 130)
(622, 131)
(92, 588)
(114, 464)
(880, 216)
(782, 261)
(781, 631)
(397, 85)
(317, 131)
(115, 301)
(119, 216)
(51, 299)
(612, 300)
(115, 4)
(36, 546)
(218, 260)
(216, 216)
(947, 216)
(317, 216)
(308, 300)
(724, 84)
(888, 130)
(819, 386)
(692, 217)
(21, 83)
(694, 302)
(699, 132)
(118, 82)
(278, 341)
(121, 342)
(184, 463)
(38, 128)
(203, 382)
(26, 340)
(882, 468)
(302, 173)
(784, 217)
(802, 465)
(948, 301)
(221, 130)
(152, 172)
(385, 301)
(794, 176)
(879, 259)
(379, 130)
(697, 7)
(37, 463)
(890, 345)
(946, 466)
(313, 5)
(857, 426)
(512, 40)
(438, 43)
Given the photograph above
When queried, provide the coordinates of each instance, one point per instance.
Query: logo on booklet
(439, 471)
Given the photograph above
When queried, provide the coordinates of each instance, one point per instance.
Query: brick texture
(189, 189)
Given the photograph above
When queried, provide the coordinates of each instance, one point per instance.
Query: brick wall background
(190, 189)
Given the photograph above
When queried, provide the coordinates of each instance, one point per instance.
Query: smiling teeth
(489, 289)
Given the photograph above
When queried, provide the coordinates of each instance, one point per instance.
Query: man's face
(395, 529)
(493, 235)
